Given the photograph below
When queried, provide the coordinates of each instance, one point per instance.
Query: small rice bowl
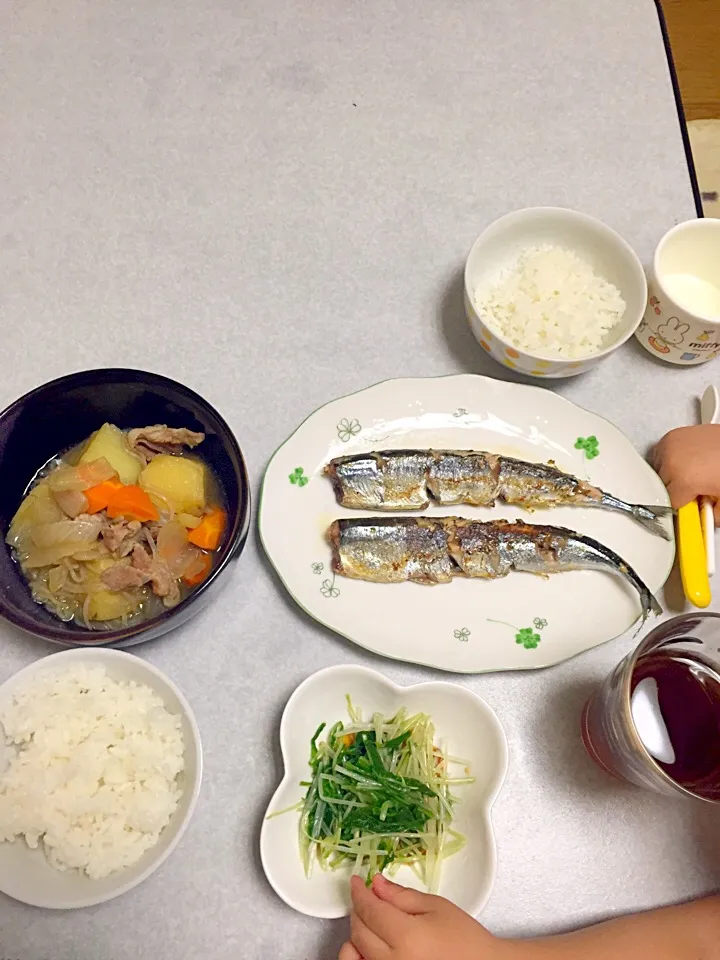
(94, 768)
(551, 303)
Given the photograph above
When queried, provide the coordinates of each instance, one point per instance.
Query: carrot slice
(209, 533)
(198, 570)
(133, 503)
(98, 497)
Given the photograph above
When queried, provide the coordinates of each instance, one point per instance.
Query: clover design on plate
(347, 429)
(328, 589)
(590, 445)
(463, 634)
(525, 636)
(298, 477)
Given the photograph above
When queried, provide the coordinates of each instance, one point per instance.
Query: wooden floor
(694, 29)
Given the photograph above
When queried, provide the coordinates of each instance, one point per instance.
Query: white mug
(682, 319)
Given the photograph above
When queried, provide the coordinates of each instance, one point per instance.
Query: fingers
(688, 461)
(654, 457)
(367, 944)
(716, 511)
(349, 952)
(381, 918)
(681, 492)
(409, 901)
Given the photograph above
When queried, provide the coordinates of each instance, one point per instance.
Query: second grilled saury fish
(408, 479)
(395, 549)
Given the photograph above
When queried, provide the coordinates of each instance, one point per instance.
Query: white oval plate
(26, 874)
(468, 626)
(465, 726)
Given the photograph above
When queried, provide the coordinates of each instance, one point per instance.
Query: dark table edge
(680, 110)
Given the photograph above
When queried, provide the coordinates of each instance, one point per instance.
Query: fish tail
(647, 516)
(648, 602)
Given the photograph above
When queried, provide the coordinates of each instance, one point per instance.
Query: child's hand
(390, 922)
(688, 461)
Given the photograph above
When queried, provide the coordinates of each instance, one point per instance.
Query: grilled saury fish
(395, 549)
(408, 479)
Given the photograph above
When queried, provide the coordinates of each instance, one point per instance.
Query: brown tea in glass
(673, 745)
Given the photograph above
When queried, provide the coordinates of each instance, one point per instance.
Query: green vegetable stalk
(379, 797)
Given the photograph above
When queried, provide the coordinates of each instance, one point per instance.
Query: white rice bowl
(551, 302)
(563, 313)
(98, 843)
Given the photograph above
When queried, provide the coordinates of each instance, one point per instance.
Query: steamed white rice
(551, 303)
(94, 772)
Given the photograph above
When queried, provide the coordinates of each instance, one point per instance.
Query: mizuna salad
(381, 796)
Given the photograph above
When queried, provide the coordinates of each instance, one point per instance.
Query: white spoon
(709, 409)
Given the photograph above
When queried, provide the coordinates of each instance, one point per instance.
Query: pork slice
(122, 576)
(148, 442)
(119, 535)
(134, 536)
(114, 533)
(141, 559)
(156, 571)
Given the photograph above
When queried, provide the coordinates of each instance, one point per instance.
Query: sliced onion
(174, 549)
(161, 504)
(81, 477)
(47, 556)
(39, 506)
(72, 502)
(81, 530)
(188, 521)
(84, 554)
(57, 578)
(197, 567)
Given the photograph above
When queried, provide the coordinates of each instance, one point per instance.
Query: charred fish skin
(477, 548)
(392, 480)
(494, 549)
(396, 549)
(406, 479)
(464, 477)
(391, 550)
(542, 485)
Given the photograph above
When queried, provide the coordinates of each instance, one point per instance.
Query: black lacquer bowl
(60, 414)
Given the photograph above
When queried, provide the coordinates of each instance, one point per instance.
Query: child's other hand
(390, 922)
(688, 461)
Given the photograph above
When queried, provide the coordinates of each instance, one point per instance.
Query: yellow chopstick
(691, 551)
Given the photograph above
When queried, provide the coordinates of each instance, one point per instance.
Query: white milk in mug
(682, 320)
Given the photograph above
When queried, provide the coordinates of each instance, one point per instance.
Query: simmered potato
(179, 479)
(111, 443)
(108, 604)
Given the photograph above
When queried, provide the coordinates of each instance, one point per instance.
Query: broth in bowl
(121, 527)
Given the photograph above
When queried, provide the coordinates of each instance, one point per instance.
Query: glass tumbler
(683, 656)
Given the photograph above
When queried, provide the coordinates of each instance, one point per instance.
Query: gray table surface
(272, 202)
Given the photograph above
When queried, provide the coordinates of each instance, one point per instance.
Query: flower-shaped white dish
(465, 726)
(26, 874)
